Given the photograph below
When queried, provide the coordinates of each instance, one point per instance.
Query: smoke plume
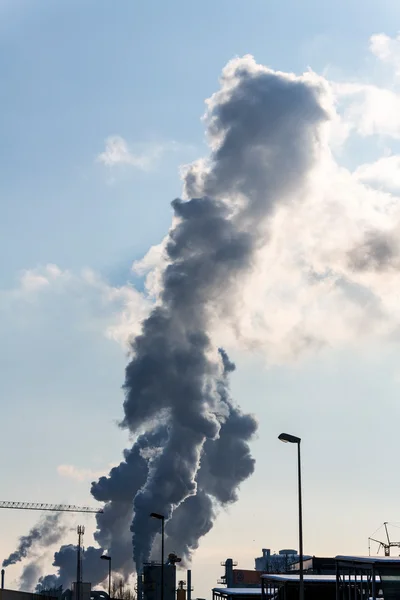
(30, 576)
(264, 130)
(260, 124)
(65, 560)
(49, 530)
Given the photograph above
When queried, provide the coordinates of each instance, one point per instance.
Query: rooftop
(307, 578)
(373, 560)
(238, 591)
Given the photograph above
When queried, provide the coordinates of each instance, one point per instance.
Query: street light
(108, 557)
(154, 515)
(292, 439)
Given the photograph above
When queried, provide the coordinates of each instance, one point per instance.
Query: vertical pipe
(109, 578)
(2, 579)
(189, 585)
(162, 558)
(337, 581)
(139, 586)
(300, 526)
(373, 584)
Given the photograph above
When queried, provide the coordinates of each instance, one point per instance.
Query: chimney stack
(189, 585)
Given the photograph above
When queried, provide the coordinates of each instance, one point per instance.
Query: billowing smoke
(30, 576)
(65, 560)
(264, 130)
(49, 530)
(117, 491)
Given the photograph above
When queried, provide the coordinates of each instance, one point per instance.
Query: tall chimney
(189, 585)
(229, 572)
(140, 586)
(2, 579)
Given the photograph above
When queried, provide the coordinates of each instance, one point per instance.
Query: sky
(101, 106)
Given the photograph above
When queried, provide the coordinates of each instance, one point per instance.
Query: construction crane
(51, 507)
(385, 545)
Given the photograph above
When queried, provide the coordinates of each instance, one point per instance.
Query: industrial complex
(336, 578)
(285, 575)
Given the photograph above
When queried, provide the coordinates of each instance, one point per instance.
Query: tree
(121, 591)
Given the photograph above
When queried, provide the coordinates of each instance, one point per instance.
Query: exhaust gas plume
(264, 130)
(48, 531)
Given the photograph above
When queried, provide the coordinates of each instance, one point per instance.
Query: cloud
(117, 152)
(115, 311)
(387, 50)
(383, 174)
(369, 110)
(143, 157)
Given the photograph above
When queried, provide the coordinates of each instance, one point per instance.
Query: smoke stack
(229, 572)
(139, 586)
(2, 579)
(189, 585)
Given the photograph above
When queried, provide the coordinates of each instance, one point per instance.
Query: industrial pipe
(2, 579)
(189, 585)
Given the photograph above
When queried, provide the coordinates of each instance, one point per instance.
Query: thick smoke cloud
(65, 560)
(49, 530)
(264, 130)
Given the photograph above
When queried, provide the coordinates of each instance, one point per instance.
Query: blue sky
(74, 73)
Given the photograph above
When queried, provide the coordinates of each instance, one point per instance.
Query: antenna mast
(80, 531)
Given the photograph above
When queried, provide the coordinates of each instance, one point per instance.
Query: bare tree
(121, 591)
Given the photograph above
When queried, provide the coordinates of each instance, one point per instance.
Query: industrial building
(315, 566)
(267, 563)
(338, 578)
(276, 563)
(356, 577)
(149, 582)
(237, 593)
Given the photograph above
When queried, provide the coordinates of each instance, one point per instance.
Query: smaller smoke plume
(48, 531)
(93, 569)
(29, 577)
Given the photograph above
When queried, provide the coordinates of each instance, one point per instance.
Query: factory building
(276, 563)
(149, 582)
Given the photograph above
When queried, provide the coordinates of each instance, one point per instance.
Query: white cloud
(387, 49)
(115, 312)
(144, 157)
(117, 152)
(368, 109)
(383, 174)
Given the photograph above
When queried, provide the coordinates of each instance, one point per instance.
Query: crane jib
(50, 507)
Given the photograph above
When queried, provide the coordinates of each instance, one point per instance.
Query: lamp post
(292, 439)
(162, 519)
(107, 557)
